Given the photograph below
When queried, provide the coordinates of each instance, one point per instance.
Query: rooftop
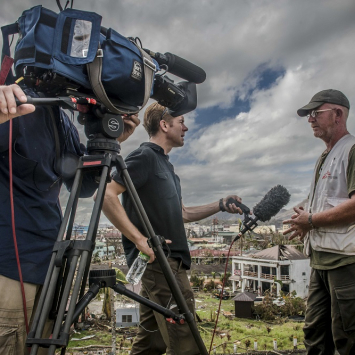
(280, 252)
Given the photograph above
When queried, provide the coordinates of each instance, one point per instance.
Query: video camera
(180, 98)
(70, 55)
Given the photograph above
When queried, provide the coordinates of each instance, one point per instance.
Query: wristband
(310, 221)
(221, 205)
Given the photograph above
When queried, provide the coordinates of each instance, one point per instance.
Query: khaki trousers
(330, 315)
(12, 322)
(155, 335)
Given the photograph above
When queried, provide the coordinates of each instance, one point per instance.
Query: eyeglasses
(314, 113)
(164, 112)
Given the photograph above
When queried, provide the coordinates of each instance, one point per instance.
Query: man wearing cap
(327, 228)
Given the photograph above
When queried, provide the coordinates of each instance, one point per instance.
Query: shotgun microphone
(272, 203)
(268, 207)
(179, 66)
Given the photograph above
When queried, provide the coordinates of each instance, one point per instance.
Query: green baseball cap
(326, 96)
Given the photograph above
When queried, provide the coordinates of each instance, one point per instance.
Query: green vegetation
(229, 329)
(245, 331)
(290, 305)
(101, 338)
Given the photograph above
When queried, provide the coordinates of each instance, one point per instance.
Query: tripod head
(101, 127)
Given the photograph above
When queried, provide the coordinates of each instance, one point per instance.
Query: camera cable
(221, 297)
(13, 225)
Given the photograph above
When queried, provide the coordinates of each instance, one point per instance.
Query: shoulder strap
(94, 72)
(149, 70)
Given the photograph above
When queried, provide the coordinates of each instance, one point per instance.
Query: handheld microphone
(243, 207)
(179, 66)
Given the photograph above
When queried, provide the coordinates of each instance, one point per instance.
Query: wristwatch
(221, 205)
(310, 221)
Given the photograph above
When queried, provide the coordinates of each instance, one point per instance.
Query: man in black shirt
(159, 190)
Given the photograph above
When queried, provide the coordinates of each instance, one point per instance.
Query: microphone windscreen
(272, 203)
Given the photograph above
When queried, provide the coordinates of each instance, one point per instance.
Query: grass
(229, 331)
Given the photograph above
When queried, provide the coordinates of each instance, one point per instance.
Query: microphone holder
(70, 262)
(249, 224)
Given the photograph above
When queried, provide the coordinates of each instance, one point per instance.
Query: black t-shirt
(159, 190)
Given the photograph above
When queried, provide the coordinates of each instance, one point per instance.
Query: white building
(197, 229)
(127, 317)
(231, 228)
(258, 272)
(103, 250)
(265, 229)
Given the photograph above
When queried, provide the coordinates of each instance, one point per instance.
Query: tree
(106, 305)
(96, 258)
(196, 281)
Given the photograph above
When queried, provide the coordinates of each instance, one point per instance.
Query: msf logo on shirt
(327, 175)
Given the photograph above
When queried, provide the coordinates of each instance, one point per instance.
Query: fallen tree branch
(92, 347)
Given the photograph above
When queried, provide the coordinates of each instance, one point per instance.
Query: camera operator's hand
(8, 108)
(130, 124)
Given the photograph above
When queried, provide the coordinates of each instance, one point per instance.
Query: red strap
(5, 68)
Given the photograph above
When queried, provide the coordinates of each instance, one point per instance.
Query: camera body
(71, 50)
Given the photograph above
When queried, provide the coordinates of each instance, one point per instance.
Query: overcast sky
(264, 60)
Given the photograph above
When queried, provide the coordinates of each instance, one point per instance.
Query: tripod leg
(94, 221)
(159, 253)
(56, 270)
(50, 282)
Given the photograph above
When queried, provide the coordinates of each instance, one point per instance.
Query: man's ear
(163, 125)
(339, 113)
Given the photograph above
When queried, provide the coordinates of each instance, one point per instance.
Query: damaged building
(280, 268)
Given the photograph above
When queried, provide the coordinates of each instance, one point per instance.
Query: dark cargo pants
(330, 315)
(155, 335)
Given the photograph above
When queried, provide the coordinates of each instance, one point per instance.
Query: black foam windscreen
(272, 203)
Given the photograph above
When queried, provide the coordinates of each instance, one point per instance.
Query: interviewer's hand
(142, 245)
(8, 108)
(232, 208)
(131, 122)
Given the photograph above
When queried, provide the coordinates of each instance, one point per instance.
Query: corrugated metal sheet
(280, 252)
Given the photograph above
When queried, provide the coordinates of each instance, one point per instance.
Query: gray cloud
(248, 153)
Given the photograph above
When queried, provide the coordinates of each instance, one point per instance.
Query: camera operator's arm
(196, 213)
(8, 107)
(116, 214)
(131, 122)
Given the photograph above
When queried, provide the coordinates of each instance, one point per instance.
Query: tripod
(74, 256)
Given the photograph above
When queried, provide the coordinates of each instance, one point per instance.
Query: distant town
(259, 261)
